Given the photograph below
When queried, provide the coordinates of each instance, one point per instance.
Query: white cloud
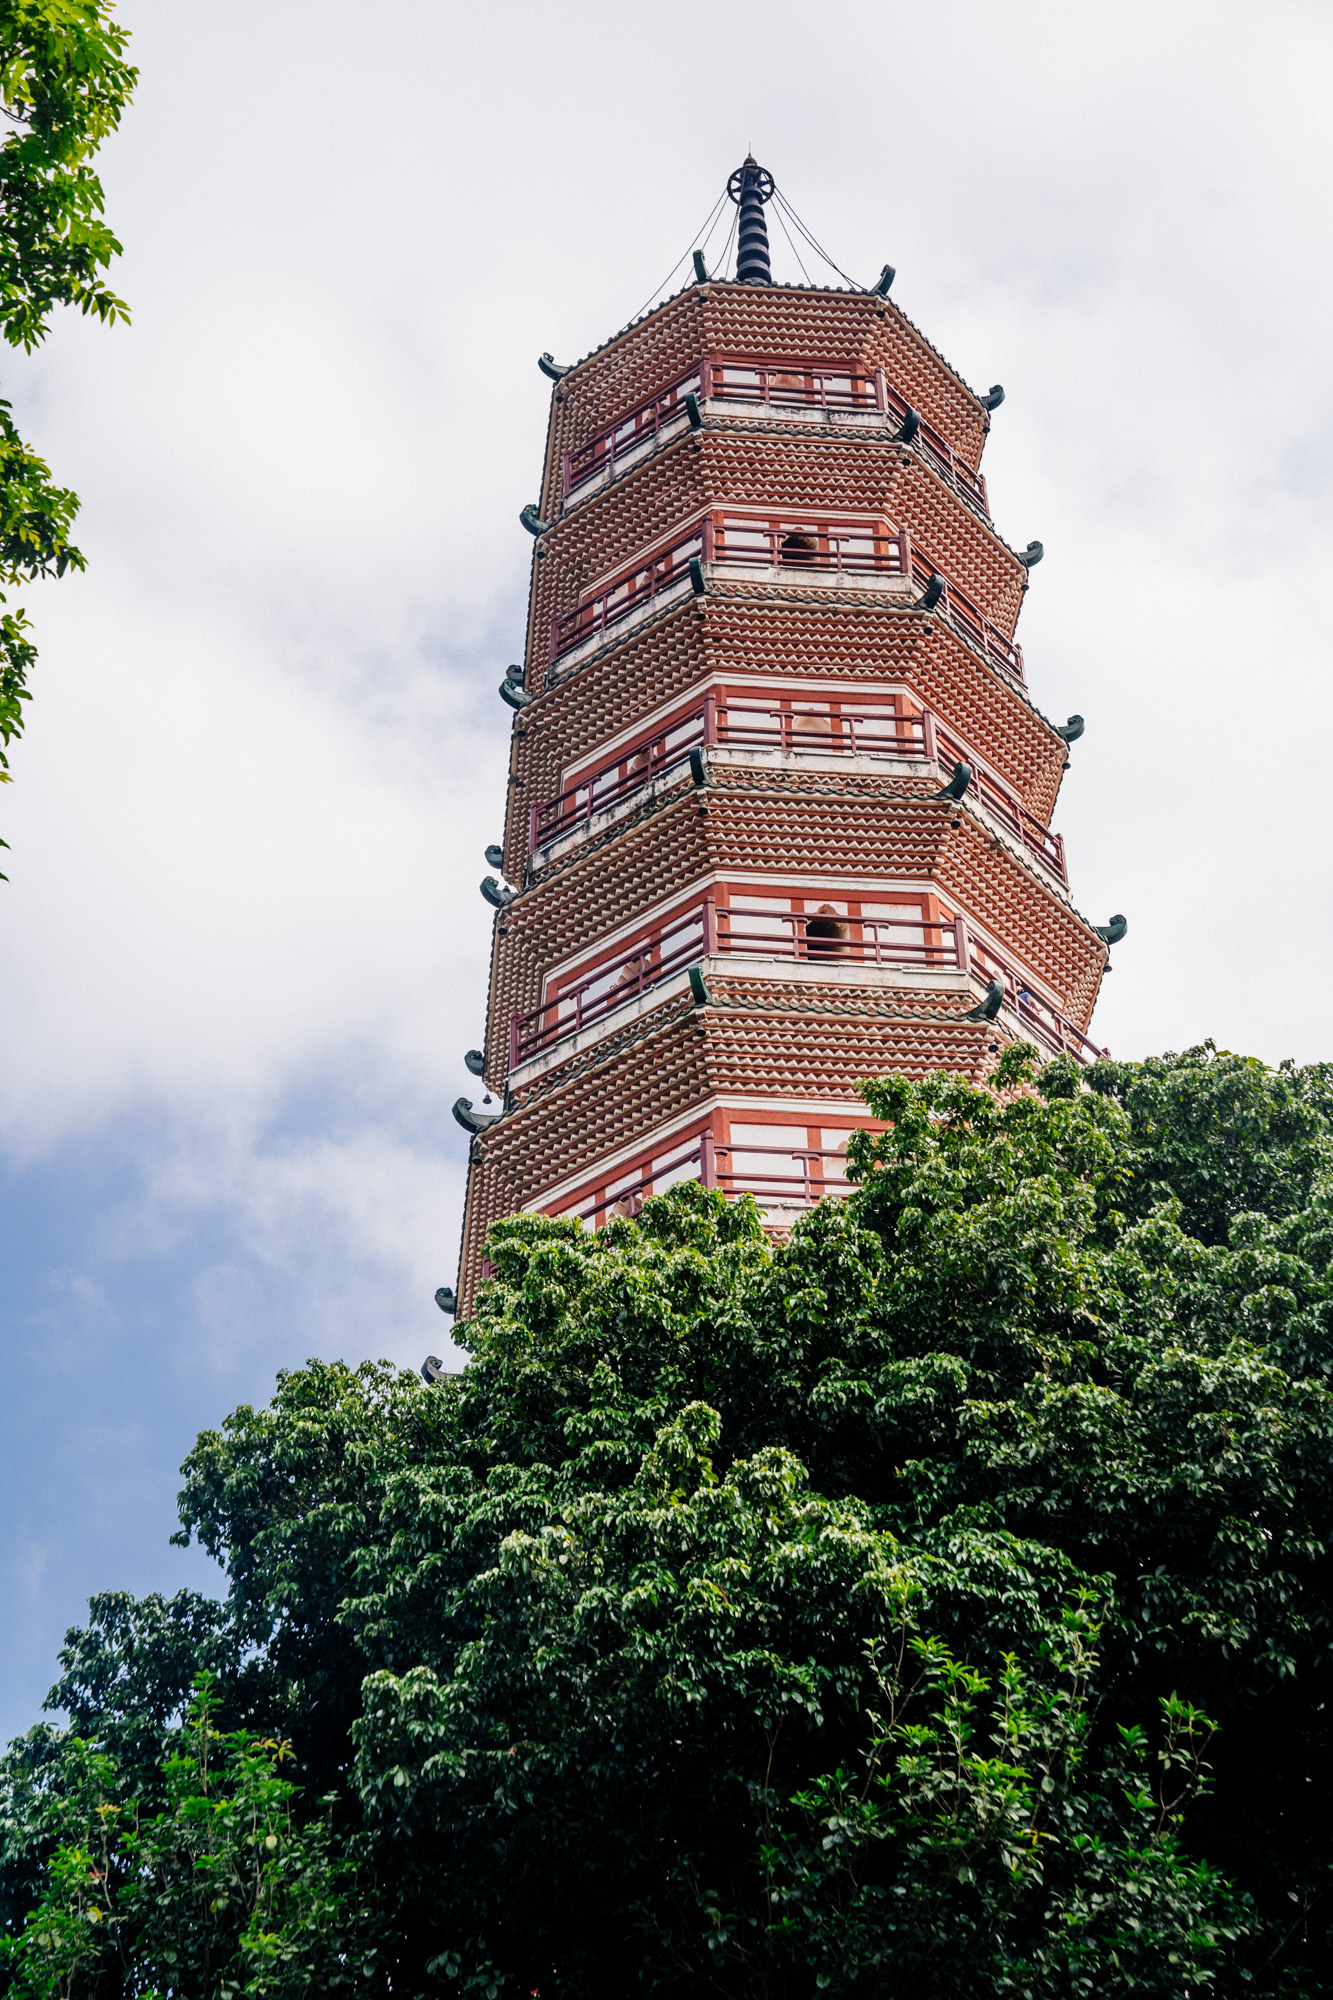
(266, 751)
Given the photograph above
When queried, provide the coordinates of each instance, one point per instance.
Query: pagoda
(779, 798)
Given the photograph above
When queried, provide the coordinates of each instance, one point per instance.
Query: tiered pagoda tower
(779, 799)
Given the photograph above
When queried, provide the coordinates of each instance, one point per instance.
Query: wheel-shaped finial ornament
(754, 180)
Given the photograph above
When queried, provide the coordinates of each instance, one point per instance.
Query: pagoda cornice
(790, 313)
(851, 428)
(782, 770)
(660, 499)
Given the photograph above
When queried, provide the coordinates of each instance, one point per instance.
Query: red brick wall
(784, 323)
(745, 467)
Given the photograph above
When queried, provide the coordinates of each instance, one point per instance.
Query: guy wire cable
(795, 252)
(726, 247)
(818, 247)
(708, 223)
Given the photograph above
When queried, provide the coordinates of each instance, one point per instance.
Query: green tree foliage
(937, 1602)
(63, 86)
(220, 1890)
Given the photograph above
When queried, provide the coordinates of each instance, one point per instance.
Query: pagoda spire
(751, 186)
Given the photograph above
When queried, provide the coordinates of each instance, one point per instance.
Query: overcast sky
(243, 949)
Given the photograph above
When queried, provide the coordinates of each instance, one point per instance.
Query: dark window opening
(825, 933)
(799, 548)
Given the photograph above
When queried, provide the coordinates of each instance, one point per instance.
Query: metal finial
(750, 187)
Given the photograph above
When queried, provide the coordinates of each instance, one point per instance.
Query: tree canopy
(935, 1602)
(63, 86)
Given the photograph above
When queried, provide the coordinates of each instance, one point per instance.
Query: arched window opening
(825, 933)
(633, 974)
(797, 548)
(816, 729)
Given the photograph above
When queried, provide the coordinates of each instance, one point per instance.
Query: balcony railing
(629, 593)
(617, 779)
(627, 433)
(858, 548)
(1046, 1021)
(854, 548)
(932, 445)
(708, 929)
(812, 937)
(772, 385)
(650, 961)
(786, 1176)
(792, 385)
(1006, 806)
(819, 938)
(969, 621)
(759, 725)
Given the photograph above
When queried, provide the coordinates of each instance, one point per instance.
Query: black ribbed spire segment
(751, 186)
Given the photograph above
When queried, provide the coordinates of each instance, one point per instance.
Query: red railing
(969, 621)
(998, 799)
(799, 1177)
(1046, 1021)
(810, 937)
(627, 433)
(773, 385)
(964, 478)
(843, 547)
(709, 929)
(791, 385)
(855, 548)
(764, 725)
(734, 724)
(637, 587)
(754, 725)
(679, 943)
(618, 779)
(807, 1179)
(815, 937)
(626, 1197)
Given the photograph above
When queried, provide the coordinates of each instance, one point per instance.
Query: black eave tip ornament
(474, 1121)
(990, 1005)
(495, 895)
(993, 398)
(551, 368)
(932, 593)
(432, 1368)
(475, 1062)
(1114, 931)
(445, 1300)
(1070, 731)
(1031, 555)
(495, 855)
(513, 690)
(883, 283)
(957, 785)
(533, 521)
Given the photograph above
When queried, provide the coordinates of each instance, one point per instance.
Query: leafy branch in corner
(64, 84)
